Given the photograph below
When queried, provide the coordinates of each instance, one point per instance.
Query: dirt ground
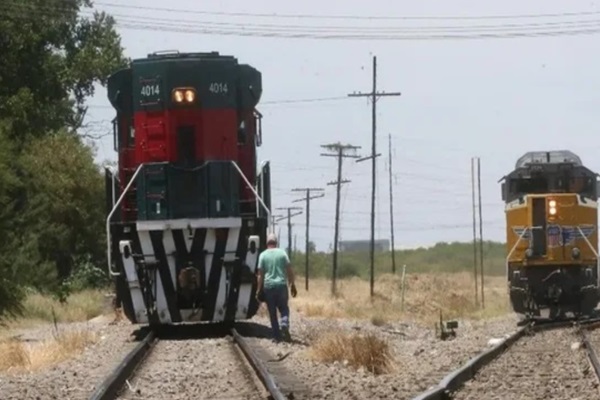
(347, 346)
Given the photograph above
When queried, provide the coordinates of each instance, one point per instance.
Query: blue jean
(277, 299)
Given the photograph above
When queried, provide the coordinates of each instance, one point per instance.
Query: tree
(10, 295)
(51, 58)
(64, 211)
(53, 52)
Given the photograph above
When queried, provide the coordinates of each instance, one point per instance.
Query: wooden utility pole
(392, 207)
(480, 230)
(474, 230)
(374, 95)
(308, 198)
(338, 150)
(289, 223)
(274, 220)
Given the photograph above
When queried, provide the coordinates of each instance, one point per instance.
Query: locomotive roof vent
(164, 53)
(177, 54)
(548, 157)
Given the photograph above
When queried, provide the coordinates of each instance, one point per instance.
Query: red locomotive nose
(191, 205)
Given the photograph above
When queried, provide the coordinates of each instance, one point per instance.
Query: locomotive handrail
(587, 241)
(515, 247)
(253, 191)
(593, 251)
(115, 206)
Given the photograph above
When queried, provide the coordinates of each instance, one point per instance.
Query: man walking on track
(274, 274)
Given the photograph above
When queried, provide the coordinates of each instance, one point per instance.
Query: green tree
(10, 295)
(64, 211)
(53, 53)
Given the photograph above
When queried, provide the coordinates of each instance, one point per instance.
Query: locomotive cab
(552, 240)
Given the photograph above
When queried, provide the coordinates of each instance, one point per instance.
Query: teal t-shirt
(273, 262)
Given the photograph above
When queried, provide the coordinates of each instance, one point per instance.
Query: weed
(367, 351)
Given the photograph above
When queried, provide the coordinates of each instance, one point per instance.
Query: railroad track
(551, 360)
(115, 384)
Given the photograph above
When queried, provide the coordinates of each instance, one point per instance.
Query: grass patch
(367, 351)
(16, 356)
(425, 295)
(80, 306)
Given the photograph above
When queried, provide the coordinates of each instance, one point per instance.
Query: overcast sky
(495, 98)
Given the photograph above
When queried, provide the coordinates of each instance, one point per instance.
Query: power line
(208, 27)
(351, 17)
(374, 95)
(339, 151)
(271, 102)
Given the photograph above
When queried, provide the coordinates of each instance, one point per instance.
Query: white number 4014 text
(218, 87)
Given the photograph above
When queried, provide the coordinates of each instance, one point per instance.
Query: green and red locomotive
(188, 208)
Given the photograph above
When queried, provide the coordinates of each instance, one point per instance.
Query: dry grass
(80, 306)
(425, 296)
(40, 309)
(16, 356)
(367, 351)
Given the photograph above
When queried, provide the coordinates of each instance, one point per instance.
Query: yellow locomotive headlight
(184, 95)
(190, 95)
(552, 207)
(177, 95)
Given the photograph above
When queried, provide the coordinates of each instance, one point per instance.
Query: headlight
(177, 96)
(190, 95)
(184, 95)
(552, 207)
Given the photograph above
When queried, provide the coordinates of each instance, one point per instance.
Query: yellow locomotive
(551, 235)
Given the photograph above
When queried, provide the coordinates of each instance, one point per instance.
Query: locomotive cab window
(528, 185)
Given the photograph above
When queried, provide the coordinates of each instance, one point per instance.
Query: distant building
(364, 245)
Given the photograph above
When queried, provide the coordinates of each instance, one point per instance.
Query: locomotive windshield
(549, 172)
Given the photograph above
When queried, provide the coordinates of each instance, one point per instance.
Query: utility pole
(274, 220)
(374, 95)
(289, 222)
(474, 230)
(308, 198)
(338, 150)
(480, 230)
(392, 207)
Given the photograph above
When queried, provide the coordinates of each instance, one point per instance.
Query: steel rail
(265, 376)
(109, 389)
(454, 380)
(591, 353)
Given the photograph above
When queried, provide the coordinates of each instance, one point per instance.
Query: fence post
(403, 287)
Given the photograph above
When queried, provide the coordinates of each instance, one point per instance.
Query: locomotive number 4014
(150, 90)
(218, 87)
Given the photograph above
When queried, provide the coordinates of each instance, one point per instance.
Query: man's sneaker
(285, 331)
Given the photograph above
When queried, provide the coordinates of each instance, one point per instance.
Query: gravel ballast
(209, 368)
(421, 359)
(548, 365)
(75, 378)
(198, 369)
